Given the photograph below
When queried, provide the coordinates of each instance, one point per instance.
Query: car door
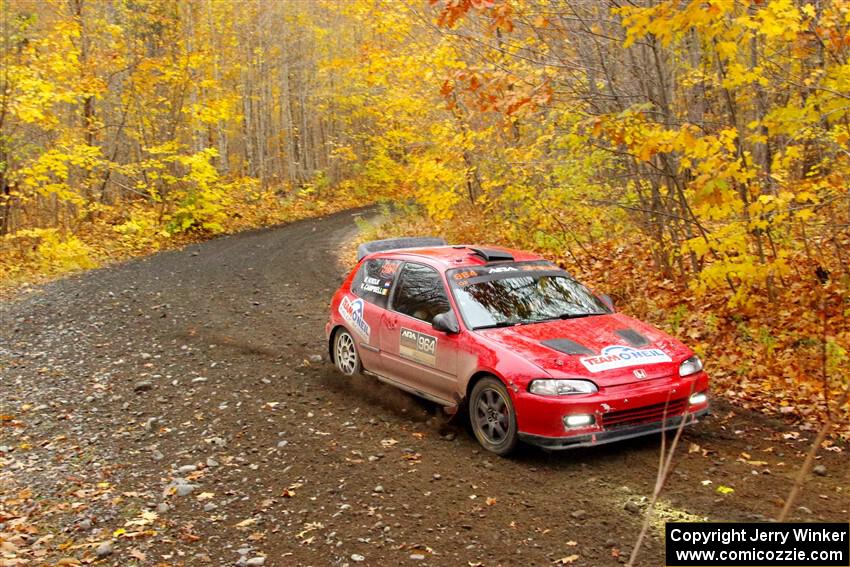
(413, 353)
(371, 285)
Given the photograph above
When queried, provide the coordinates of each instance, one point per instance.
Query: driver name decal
(352, 311)
(619, 356)
(374, 285)
(418, 346)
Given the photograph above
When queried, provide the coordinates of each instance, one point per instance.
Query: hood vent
(567, 346)
(634, 338)
(492, 255)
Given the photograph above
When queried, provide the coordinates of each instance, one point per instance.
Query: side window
(374, 280)
(420, 293)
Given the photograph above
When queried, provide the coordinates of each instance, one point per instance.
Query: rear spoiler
(397, 244)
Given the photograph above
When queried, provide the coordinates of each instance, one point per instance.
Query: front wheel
(492, 416)
(345, 353)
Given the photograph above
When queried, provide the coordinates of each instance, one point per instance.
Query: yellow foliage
(56, 253)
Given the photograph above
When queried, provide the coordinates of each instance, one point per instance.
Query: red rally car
(531, 353)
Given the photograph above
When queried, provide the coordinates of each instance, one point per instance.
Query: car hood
(609, 349)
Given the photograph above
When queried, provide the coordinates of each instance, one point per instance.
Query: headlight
(690, 366)
(561, 387)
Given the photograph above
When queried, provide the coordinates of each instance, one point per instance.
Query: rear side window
(420, 293)
(374, 280)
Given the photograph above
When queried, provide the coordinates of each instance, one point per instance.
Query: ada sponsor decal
(352, 311)
(418, 346)
(619, 356)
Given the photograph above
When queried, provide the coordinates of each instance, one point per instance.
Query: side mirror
(446, 322)
(606, 299)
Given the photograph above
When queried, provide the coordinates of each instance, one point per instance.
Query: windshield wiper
(575, 315)
(502, 324)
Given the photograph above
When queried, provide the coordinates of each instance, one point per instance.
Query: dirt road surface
(180, 410)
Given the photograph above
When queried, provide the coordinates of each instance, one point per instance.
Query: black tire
(492, 416)
(346, 357)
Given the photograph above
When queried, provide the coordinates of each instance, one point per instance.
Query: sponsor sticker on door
(619, 356)
(352, 311)
(418, 346)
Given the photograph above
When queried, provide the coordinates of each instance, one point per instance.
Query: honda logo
(640, 373)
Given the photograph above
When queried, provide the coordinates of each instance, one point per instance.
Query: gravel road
(180, 410)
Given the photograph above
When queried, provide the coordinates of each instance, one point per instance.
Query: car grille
(643, 414)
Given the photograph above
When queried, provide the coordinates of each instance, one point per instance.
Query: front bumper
(619, 412)
(612, 435)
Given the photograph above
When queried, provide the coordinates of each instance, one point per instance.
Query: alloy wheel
(492, 415)
(346, 354)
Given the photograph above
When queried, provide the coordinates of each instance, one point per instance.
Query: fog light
(697, 399)
(577, 420)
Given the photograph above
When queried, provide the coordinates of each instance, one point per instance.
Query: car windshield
(520, 293)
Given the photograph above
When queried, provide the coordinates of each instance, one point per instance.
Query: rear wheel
(492, 416)
(345, 353)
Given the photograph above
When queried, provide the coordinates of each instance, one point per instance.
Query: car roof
(456, 256)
